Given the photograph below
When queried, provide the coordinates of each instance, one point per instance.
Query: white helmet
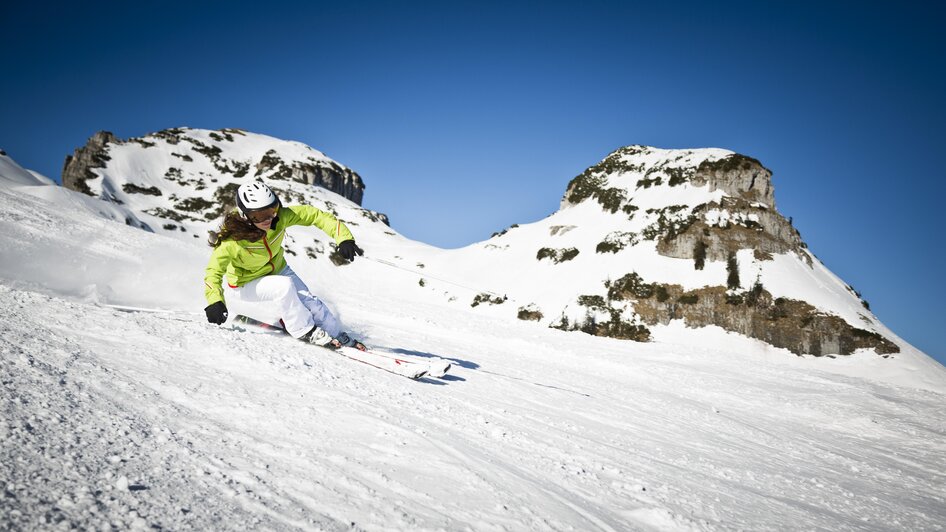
(255, 196)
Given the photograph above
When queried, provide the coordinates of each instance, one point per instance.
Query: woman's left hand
(348, 249)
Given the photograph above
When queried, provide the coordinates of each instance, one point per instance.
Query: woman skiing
(248, 251)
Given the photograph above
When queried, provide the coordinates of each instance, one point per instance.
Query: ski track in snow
(137, 420)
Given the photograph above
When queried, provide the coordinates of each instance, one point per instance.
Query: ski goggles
(262, 216)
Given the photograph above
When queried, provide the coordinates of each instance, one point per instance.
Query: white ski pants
(282, 296)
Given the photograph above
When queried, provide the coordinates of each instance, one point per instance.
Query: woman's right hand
(216, 313)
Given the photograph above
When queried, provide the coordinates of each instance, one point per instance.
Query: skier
(248, 250)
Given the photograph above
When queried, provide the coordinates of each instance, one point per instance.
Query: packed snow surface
(140, 420)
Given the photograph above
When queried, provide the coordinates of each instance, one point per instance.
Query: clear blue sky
(466, 117)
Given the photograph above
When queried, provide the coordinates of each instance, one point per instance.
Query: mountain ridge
(600, 264)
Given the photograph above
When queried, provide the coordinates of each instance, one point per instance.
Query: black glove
(348, 249)
(216, 313)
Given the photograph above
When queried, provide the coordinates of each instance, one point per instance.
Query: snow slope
(160, 420)
(13, 173)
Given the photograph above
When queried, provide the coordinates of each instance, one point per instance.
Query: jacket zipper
(271, 265)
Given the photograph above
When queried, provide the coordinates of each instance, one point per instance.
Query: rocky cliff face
(782, 322)
(328, 175)
(78, 168)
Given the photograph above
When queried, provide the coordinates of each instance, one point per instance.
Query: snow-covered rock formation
(649, 235)
(181, 179)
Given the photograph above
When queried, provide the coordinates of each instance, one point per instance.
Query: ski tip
(438, 371)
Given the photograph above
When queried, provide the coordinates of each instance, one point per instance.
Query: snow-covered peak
(648, 236)
(182, 180)
(642, 177)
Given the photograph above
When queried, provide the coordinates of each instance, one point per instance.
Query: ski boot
(318, 337)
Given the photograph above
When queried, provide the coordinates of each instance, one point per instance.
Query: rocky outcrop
(77, 170)
(739, 176)
(781, 322)
(340, 180)
(722, 229)
(746, 218)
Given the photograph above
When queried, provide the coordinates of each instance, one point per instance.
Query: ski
(405, 368)
(436, 368)
(411, 369)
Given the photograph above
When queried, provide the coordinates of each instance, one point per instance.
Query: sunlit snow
(139, 420)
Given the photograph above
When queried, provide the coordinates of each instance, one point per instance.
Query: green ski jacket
(243, 261)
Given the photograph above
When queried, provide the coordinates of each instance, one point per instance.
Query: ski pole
(424, 274)
(159, 311)
(127, 308)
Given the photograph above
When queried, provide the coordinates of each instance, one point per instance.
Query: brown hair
(235, 227)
